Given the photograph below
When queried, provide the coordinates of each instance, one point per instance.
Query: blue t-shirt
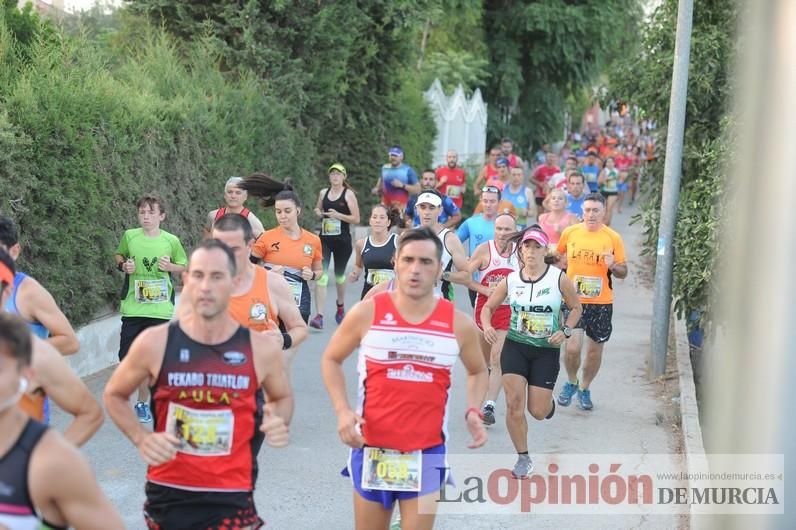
(405, 174)
(576, 205)
(449, 209)
(476, 230)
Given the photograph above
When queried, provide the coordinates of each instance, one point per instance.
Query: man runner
(52, 376)
(45, 483)
(451, 180)
(595, 254)
(234, 202)
(205, 370)
(408, 341)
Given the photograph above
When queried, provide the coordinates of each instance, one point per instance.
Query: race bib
(535, 325)
(454, 191)
(389, 470)
(377, 276)
(588, 286)
(296, 287)
(151, 291)
(201, 432)
(493, 282)
(331, 227)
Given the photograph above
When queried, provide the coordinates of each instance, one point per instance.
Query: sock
(339, 304)
(524, 453)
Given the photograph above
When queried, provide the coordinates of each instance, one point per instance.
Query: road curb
(693, 446)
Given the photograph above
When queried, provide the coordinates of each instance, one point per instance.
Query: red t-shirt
(454, 184)
(542, 175)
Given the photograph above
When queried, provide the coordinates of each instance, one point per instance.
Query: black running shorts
(131, 328)
(539, 366)
(176, 509)
(595, 321)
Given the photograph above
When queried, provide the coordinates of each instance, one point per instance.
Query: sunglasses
(491, 189)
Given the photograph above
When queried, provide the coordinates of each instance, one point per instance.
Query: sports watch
(567, 331)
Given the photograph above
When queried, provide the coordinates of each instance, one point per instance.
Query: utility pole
(671, 191)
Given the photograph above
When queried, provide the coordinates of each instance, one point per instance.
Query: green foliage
(646, 81)
(82, 139)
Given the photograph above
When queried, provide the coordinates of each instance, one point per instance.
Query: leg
(370, 514)
(610, 201)
(597, 327)
(540, 402)
(594, 356)
(545, 366)
(495, 374)
(418, 513)
(515, 387)
(573, 346)
(342, 253)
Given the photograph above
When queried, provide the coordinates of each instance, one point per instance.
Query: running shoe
(317, 322)
(489, 415)
(584, 399)
(142, 411)
(338, 317)
(523, 467)
(565, 396)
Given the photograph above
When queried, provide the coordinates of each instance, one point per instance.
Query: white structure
(461, 124)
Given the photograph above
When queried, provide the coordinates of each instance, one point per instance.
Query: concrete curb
(693, 447)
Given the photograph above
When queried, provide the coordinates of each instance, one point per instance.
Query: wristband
(287, 341)
(473, 409)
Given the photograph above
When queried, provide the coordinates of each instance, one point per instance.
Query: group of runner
(213, 374)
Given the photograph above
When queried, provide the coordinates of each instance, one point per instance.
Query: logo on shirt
(388, 320)
(542, 292)
(519, 291)
(150, 264)
(275, 246)
(185, 355)
(408, 373)
(366, 249)
(308, 250)
(234, 358)
(258, 311)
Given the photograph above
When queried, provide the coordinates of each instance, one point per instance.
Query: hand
(442, 181)
(346, 428)
(306, 273)
(557, 338)
(608, 258)
(129, 266)
(376, 190)
(397, 183)
(158, 448)
(353, 276)
(477, 430)
(334, 214)
(318, 212)
(274, 428)
(490, 335)
(164, 263)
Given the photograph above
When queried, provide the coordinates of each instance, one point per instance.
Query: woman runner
(374, 254)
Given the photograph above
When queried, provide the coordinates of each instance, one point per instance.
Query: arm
(270, 369)
(458, 256)
(61, 478)
(412, 184)
(477, 378)
(376, 289)
(38, 305)
(376, 190)
(207, 229)
(319, 204)
(358, 265)
(342, 344)
(479, 181)
(454, 214)
(289, 314)
(256, 224)
(353, 205)
(66, 390)
(533, 211)
(493, 302)
(575, 308)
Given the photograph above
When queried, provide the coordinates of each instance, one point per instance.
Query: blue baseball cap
(396, 150)
(502, 162)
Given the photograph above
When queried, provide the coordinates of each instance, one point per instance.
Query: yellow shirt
(586, 261)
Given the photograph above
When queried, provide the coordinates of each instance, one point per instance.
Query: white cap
(429, 198)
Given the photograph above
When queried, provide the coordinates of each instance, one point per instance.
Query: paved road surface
(300, 486)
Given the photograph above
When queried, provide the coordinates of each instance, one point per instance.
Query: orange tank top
(33, 405)
(254, 309)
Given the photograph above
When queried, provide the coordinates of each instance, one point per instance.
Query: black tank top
(16, 506)
(335, 227)
(375, 258)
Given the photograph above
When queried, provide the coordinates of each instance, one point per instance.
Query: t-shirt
(390, 194)
(586, 262)
(576, 205)
(449, 209)
(149, 290)
(476, 230)
(541, 175)
(454, 185)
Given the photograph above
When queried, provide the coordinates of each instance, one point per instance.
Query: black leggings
(341, 248)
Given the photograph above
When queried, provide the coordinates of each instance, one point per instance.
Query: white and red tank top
(205, 395)
(405, 377)
(499, 267)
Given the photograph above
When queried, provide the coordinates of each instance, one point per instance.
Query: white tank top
(445, 260)
(498, 268)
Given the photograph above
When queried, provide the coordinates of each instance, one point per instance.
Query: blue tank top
(518, 200)
(11, 306)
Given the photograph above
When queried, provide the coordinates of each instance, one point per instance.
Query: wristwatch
(567, 331)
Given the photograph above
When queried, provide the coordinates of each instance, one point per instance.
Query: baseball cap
(337, 167)
(502, 162)
(395, 150)
(429, 197)
(537, 235)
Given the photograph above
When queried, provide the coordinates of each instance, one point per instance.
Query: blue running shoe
(584, 399)
(142, 411)
(565, 396)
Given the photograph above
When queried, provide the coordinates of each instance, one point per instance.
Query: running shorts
(131, 328)
(595, 321)
(539, 366)
(176, 509)
(340, 248)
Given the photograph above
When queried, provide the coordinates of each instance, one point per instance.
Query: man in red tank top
(204, 370)
(408, 342)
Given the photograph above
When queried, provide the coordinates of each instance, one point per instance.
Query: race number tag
(201, 432)
(588, 286)
(377, 276)
(389, 470)
(151, 291)
(535, 325)
(296, 287)
(331, 227)
(453, 191)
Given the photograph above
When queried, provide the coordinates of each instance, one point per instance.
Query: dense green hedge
(80, 140)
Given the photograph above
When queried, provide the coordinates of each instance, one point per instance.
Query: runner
(575, 194)
(397, 181)
(480, 228)
(451, 180)
(489, 171)
(234, 200)
(591, 170)
(609, 187)
(507, 151)
(46, 482)
(449, 214)
(542, 175)
(493, 260)
(337, 207)
(520, 196)
(403, 421)
(501, 179)
(30, 300)
(291, 251)
(595, 255)
(148, 256)
(623, 163)
(375, 253)
(205, 370)
(52, 376)
(557, 218)
(530, 356)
